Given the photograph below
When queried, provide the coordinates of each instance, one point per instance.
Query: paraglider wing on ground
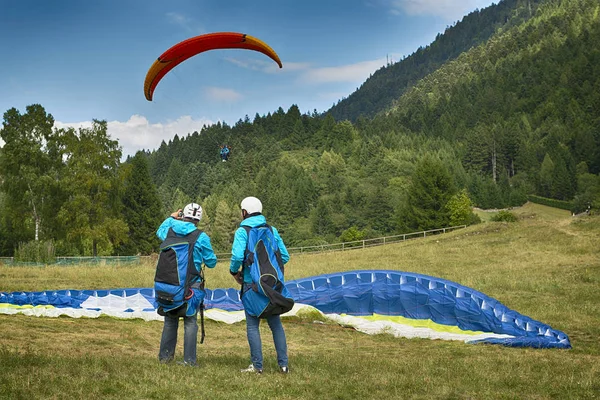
(373, 301)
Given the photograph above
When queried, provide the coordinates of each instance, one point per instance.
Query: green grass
(485, 215)
(546, 266)
(528, 210)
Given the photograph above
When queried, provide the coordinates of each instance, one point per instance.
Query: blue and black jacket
(240, 242)
(203, 251)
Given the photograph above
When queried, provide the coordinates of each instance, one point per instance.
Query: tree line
(320, 181)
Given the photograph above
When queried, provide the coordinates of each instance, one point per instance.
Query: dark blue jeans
(168, 340)
(253, 333)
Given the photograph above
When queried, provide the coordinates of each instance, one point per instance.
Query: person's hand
(239, 278)
(176, 214)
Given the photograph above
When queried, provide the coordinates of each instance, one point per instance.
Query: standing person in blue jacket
(183, 222)
(252, 217)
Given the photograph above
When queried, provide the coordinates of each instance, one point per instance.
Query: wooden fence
(362, 244)
(358, 244)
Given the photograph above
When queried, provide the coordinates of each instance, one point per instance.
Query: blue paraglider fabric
(358, 293)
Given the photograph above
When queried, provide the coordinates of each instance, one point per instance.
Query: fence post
(363, 244)
(342, 246)
(384, 240)
(424, 234)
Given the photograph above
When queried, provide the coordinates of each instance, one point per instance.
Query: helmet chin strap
(191, 220)
(246, 215)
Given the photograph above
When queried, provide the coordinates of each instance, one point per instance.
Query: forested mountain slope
(525, 106)
(388, 83)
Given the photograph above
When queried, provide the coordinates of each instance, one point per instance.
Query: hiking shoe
(186, 364)
(252, 369)
(284, 370)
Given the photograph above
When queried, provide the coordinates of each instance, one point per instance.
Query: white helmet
(193, 211)
(252, 205)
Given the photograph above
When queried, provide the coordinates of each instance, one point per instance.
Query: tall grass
(546, 266)
(36, 251)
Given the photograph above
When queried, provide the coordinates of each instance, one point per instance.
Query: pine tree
(142, 209)
(431, 188)
(224, 225)
(379, 212)
(321, 219)
(562, 184)
(546, 176)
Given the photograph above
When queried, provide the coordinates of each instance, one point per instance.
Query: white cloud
(186, 23)
(223, 94)
(308, 74)
(267, 66)
(332, 96)
(295, 66)
(451, 10)
(357, 72)
(138, 133)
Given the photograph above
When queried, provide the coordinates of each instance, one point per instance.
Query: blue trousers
(168, 340)
(253, 333)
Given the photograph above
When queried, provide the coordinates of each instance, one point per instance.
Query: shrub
(564, 205)
(461, 210)
(473, 219)
(352, 234)
(36, 251)
(505, 216)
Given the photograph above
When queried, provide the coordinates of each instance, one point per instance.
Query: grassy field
(546, 266)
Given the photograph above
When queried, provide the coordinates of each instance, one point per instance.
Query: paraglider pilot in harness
(225, 150)
(179, 280)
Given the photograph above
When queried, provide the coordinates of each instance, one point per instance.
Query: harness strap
(202, 322)
(249, 255)
(190, 280)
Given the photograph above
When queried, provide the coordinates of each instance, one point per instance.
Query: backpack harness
(176, 277)
(268, 294)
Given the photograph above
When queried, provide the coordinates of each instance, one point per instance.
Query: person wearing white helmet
(225, 151)
(183, 223)
(252, 217)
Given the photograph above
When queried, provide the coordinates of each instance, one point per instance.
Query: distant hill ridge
(379, 91)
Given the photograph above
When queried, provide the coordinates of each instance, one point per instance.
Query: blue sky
(87, 59)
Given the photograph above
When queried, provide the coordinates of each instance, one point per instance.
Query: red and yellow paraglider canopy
(190, 47)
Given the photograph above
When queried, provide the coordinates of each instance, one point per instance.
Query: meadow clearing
(545, 266)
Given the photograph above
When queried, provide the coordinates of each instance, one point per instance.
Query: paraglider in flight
(190, 47)
(225, 150)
